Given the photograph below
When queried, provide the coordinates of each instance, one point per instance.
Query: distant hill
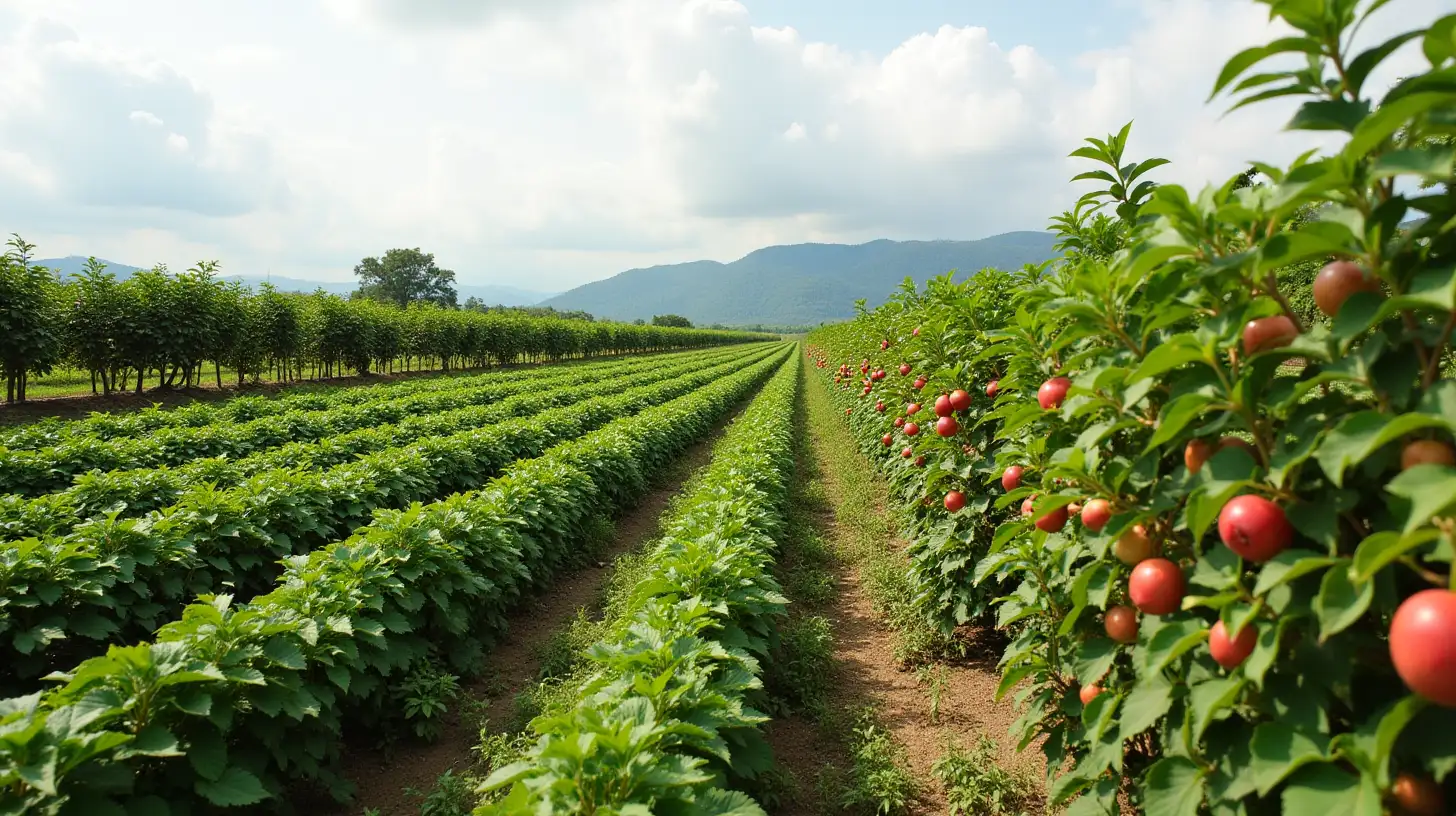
(802, 284)
(491, 294)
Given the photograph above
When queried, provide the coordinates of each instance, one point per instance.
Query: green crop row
(668, 723)
(145, 489)
(115, 579)
(35, 472)
(231, 702)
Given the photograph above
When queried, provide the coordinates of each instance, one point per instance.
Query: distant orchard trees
(677, 321)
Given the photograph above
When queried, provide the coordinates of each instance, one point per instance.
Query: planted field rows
(670, 714)
(114, 579)
(55, 466)
(257, 694)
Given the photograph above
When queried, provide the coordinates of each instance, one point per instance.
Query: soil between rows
(515, 661)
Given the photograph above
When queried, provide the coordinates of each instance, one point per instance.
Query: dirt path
(851, 515)
(515, 661)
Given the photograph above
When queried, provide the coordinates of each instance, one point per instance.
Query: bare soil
(515, 662)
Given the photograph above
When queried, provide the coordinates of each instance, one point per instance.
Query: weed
(975, 784)
(565, 649)
(453, 795)
(799, 672)
(935, 678)
(881, 775)
(425, 695)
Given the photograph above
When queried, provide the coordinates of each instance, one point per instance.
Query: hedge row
(115, 579)
(233, 701)
(670, 716)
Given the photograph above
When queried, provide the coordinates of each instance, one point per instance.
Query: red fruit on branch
(1053, 521)
(907, 453)
(1134, 546)
(915, 333)
(880, 406)
(960, 400)
(1426, 452)
(947, 426)
(919, 383)
(1026, 506)
(1418, 796)
(954, 501)
(992, 387)
(911, 429)
(1195, 454)
(920, 461)
(1338, 281)
(1074, 509)
(1053, 392)
(1254, 528)
(899, 422)
(1011, 478)
(1230, 652)
(887, 440)
(942, 406)
(1423, 645)
(912, 409)
(1096, 514)
(847, 410)
(1267, 333)
(884, 344)
(1089, 693)
(1156, 586)
(904, 369)
(1121, 624)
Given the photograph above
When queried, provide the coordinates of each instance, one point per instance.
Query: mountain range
(491, 294)
(801, 284)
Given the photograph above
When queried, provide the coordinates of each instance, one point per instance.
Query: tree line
(167, 329)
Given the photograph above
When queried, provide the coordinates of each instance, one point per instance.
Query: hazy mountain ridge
(799, 284)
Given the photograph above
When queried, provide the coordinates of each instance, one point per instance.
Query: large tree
(405, 276)
(672, 320)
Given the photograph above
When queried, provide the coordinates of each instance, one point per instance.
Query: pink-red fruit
(1230, 652)
(920, 461)
(1338, 281)
(1418, 796)
(1134, 546)
(1053, 392)
(1426, 452)
(992, 387)
(942, 406)
(888, 440)
(1089, 693)
(1269, 333)
(907, 453)
(1121, 623)
(1096, 514)
(947, 426)
(1053, 521)
(1423, 645)
(954, 501)
(1156, 586)
(911, 429)
(1011, 478)
(1254, 528)
(960, 400)
(919, 383)
(1195, 454)
(880, 406)
(912, 409)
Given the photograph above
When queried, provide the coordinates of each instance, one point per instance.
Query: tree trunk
(217, 369)
(141, 378)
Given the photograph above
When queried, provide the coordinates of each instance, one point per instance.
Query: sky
(543, 144)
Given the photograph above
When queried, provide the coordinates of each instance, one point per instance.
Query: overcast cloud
(545, 143)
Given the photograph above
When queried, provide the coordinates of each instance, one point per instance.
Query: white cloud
(546, 143)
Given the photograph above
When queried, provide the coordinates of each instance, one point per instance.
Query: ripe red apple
(1156, 586)
(1121, 623)
(947, 426)
(1096, 514)
(1089, 693)
(912, 409)
(1053, 521)
(1426, 452)
(1195, 454)
(899, 422)
(915, 333)
(960, 400)
(1053, 392)
(1338, 281)
(1026, 506)
(1074, 509)
(954, 501)
(992, 387)
(887, 440)
(1418, 796)
(904, 369)
(920, 461)
(1254, 528)
(884, 344)
(1423, 645)
(1227, 652)
(1269, 333)
(1011, 478)
(942, 406)
(880, 406)
(1135, 546)
(919, 383)
(907, 453)
(911, 429)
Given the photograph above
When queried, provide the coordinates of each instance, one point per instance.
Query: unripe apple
(911, 429)
(954, 501)
(1338, 281)
(1121, 624)
(1011, 478)
(1053, 392)
(1156, 586)
(1254, 528)
(1096, 514)
(1134, 546)
(942, 406)
(960, 400)
(1426, 452)
(947, 426)
(1230, 652)
(1266, 333)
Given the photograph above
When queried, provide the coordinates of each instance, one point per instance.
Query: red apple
(904, 369)
(1156, 586)
(954, 501)
(919, 383)
(1267, 333)
(880, 406)
(911, 429)
(942, 406)
(1074, 509)
(1338, 281)
(1089, 693)
(907, 453)
(1426, 452)
(915, 333)
(1230, 652)
(1195, 454)
(947, 426)
(1134, 546)
(920, 461)
(887, 440)
(1026, 506)
(1011, 478)
(1053, 392)
(992, 387)
(1096, 514)
(1053, 521)
(1418, 796)
(1423, 645)
(1254, 528)
(1121, 623)
(899, 422)
(912, 409)
(960, 400)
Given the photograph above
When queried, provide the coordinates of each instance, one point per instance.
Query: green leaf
(1147, 703)
(1361, 434)
(1177, 351)
(1383, 548)
(1278, 751)
(1176, 416)
(1173, 786)
(1209, 698)
(1431, 490)
(234, 788)
(1340, 603)
(1391, 725)
(1289, 565)
(207, 753)
(1329, 114)
(1094, 658)
(1328, 791)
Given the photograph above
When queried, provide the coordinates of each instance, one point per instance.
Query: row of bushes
(1218, 534)
(113, 579)
(669, 717)
(231, 702)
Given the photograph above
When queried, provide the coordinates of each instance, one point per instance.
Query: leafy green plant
(425, 695)
(976, 784)
(452, 795)
(881, 778)
(934, 678)
(803, 664)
